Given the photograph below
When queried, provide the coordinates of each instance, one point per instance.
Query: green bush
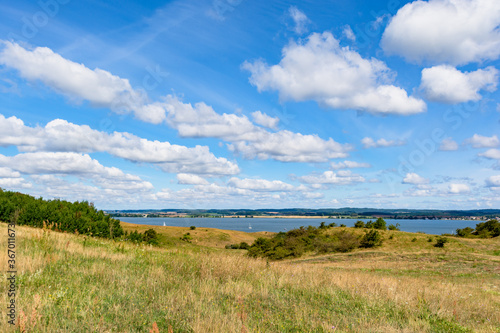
(371, 239)
(151, 237)
(192, 227)
(487, 229)
(394, 227)
(187, 237)
(380, 224)
(359, 224)
(440, 241)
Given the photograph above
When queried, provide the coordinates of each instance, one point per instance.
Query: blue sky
(252, 104)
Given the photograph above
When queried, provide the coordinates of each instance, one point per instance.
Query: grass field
(69, 283)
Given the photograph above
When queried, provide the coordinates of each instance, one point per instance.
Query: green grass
(69, 283)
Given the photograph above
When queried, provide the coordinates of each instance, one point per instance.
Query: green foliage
(192, 227)
(187, 237)
(150, 237)
(487, 229)
(59, 215)
(371, 239)
(242, 246)
(380, 224)
(135, 237)
(359, 224)
(414, 239)
(394, 227)
(296, 242)
(440, 241)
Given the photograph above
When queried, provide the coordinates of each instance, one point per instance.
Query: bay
(433, 227)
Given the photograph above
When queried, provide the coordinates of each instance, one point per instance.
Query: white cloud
(445, 31)
(101, 88)
(349, 165)
(190, 179)
(415, 179)
(62, 136)
(493, 154)
(286, 146)
(493, 181)
(348, 33)
(334, 76)
(458, 188)
(446, 84)
(77, 82)
(73, 164)
(370, 143)
(479, 141)
(260, 185)
(343, 177)
(448, 145)
(265, 120)
(301, 21)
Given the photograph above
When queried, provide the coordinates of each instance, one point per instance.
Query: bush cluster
(240, 246)
(150, 236)
(296, 242)
(378, 224)
(59, 215)
(487, 229)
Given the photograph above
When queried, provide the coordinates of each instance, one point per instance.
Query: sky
(252, 104)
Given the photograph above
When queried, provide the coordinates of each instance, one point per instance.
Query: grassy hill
(70, 283)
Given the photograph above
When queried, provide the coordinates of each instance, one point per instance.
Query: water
(433, 227)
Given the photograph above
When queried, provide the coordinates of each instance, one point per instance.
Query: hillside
(70, 283)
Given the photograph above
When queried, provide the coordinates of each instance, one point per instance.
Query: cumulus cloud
(62, 136)
(445, 31)
(371, 143)
(458, 188)
(265, 120)
(415, 179)
(448, 145)
(334, 76)
(74, 164)
(446, 84)
(260, 185)
(349, 165)
(300, 20)
(479, 141)
(249, 140)
(101, 88)
(493, 154)
(190, 179)
(493, 181)
(286, 146)
(78, 83)
(343, 177)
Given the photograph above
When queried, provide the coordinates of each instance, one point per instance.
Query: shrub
(192, 227)
(187, 237)
(429, 239)
(414, 239)
(487, 229)
(150, 237)
(380, 224)
(371, 239)
(359, 224)
(394, 227)
(332, 225)
(440, 241)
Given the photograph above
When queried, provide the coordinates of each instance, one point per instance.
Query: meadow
(77, 283)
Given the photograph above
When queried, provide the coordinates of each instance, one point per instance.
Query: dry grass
(71, 283)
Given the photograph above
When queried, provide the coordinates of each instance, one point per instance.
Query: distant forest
(59, 215)
(339, 212)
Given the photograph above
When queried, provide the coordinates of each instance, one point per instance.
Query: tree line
(58, 215)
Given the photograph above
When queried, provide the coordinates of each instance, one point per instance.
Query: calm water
(433, 227)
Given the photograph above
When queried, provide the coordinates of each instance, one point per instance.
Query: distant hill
(327, 212)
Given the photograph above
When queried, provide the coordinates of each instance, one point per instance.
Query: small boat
(164, 224)
(249, 226)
